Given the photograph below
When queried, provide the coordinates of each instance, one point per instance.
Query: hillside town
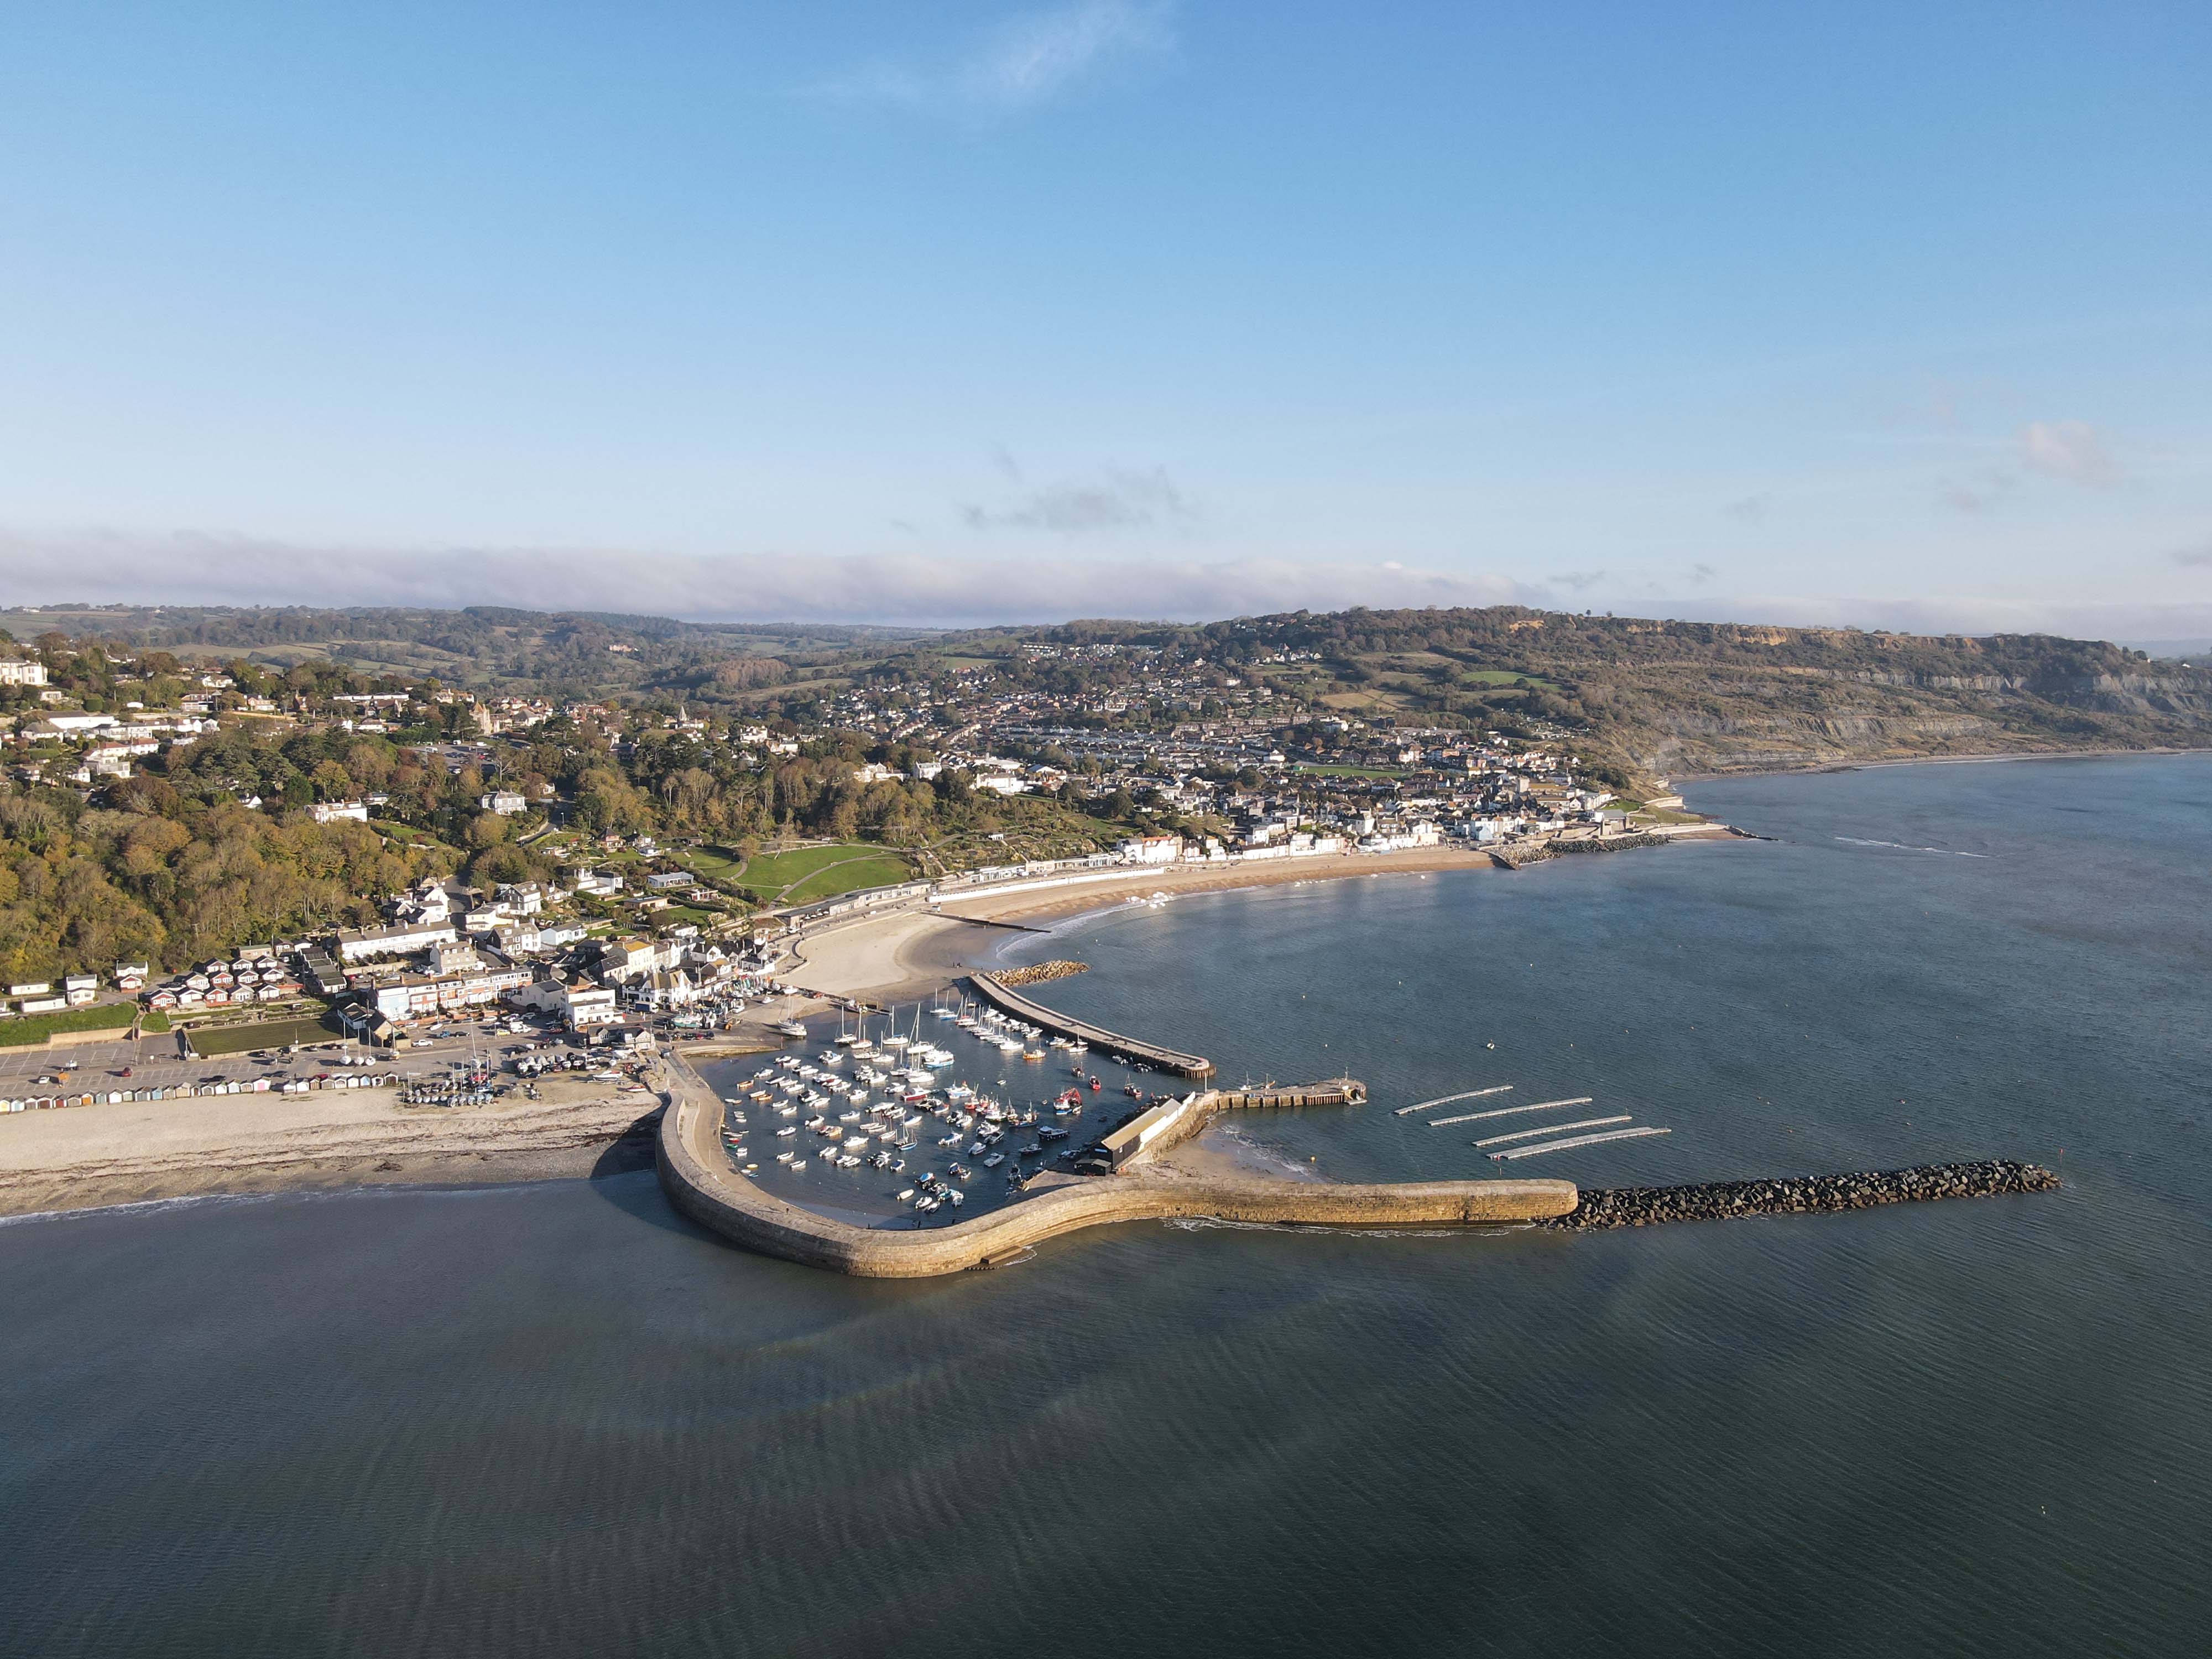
(416, 847)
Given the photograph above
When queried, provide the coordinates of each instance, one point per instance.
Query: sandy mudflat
(86, 1156)
(1224, 1149)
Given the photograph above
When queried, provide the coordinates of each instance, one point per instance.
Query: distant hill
(1659, 696)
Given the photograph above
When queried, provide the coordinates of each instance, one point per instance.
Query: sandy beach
(888, 958)
(135, 1150)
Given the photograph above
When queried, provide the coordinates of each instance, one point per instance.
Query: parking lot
(160, 1061)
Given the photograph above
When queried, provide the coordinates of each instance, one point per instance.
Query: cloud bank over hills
(917, 589)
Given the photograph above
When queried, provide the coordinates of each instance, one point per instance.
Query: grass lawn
(878, 870)
(813, 872)
(104, 1016)
(690, 913)
(262, 1034)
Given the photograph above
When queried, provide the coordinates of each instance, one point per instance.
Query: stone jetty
(1721, 1200)
(995, 990)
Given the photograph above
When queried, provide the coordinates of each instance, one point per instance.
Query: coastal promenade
(699, 1182)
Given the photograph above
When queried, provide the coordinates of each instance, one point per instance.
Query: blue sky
(1884, 314)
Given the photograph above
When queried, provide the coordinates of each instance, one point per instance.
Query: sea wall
(696, 1177)
(1720, 1200)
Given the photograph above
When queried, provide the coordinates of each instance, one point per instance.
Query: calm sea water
(555, 1419)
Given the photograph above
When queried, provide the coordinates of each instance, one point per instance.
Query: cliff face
(1688, 721)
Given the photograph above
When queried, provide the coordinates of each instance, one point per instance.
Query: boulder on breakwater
(1721, 1200)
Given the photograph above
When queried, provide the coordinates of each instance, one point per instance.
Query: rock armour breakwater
(1038, 973)
(1721, 1200)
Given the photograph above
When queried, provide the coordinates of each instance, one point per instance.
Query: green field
(262, 1034)
(805, 873)
(36, 1028)
(712, 863)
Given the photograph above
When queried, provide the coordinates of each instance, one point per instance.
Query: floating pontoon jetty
(1446, 1100)
(1577, 1140)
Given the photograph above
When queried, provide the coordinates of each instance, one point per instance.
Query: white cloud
(1121, 501)
(1028, 61)
(2072, 450)
(2199, 555)
(108, 567)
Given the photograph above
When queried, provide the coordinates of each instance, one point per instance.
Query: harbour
(1134, 1394)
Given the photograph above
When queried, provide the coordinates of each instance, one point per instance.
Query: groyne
(995, 990)
(1721, 1200)
(695, 1174)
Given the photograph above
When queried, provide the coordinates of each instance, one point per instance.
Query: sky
(1884, 315)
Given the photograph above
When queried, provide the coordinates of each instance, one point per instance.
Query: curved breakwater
(1721, 1200)
(699, 1184)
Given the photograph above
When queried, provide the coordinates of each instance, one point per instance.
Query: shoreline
(136, 1152)
(1817, 767)
(104, 1156)
(900, 958)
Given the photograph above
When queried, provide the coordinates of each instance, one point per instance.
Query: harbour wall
(1721, 1200)
(995, 992)
(696, 1175)
(1171, 1122)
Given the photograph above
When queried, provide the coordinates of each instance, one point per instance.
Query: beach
(910, 954)
(137, 1151)
(133, 1151)
(892, 957)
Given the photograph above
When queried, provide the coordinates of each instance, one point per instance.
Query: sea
(556, 1419)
